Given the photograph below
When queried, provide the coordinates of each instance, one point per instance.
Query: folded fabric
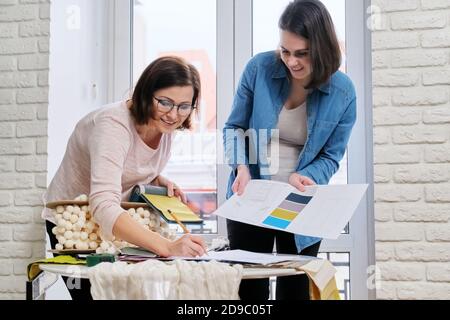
(157, 280)
(33, 268)
(321, 275)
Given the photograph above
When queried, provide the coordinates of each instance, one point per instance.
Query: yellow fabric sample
(33, 268)
(165, 203)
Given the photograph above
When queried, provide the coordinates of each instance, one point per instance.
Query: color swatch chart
(287, 211)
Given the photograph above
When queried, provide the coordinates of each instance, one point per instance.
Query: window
(186, 29)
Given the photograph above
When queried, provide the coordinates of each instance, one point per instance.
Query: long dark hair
(164, 72)
(311, 20)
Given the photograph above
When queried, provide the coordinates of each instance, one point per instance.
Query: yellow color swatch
(284, 214)
(165, 203)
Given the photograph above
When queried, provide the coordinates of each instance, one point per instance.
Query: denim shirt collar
(280, 71)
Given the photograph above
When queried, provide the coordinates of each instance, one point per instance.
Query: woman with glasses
(128, 143)
(296, 101)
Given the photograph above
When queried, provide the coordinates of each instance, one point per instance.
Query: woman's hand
(241, 181)
(300, 182)
(172, 188)
(187, 246)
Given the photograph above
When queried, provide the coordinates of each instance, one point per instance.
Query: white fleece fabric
(157, 280)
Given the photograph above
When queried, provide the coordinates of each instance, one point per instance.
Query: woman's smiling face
(295, 54)
(166, 122)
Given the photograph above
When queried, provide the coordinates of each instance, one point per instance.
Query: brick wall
(411, 88)
(24, 59)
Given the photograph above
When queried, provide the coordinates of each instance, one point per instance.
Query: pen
(181, 224)
(178, 221)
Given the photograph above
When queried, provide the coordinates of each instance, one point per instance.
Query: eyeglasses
(166, 106)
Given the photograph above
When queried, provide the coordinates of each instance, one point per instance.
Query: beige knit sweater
(105, 158)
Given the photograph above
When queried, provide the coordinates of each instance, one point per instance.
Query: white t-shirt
(292, 126)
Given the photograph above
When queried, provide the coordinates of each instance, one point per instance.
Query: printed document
(321, 211)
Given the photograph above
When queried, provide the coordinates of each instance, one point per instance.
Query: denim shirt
(262, 92)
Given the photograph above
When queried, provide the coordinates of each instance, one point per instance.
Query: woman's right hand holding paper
(241, 181)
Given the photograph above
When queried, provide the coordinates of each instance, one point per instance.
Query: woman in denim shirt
(298, 95)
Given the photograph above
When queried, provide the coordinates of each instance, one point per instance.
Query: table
(37, 287)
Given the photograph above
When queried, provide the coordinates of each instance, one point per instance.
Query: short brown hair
(164, 72)
(311, 20)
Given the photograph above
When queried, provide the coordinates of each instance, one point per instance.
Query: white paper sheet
(329, 209)
(242, 256)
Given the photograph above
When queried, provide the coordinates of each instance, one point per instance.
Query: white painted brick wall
(24, 63)
(411, 117)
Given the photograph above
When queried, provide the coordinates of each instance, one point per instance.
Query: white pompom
(61, 230)
(131, 211)
(83, 235)
(93, 236)
(99, 250)
(83, 197)
(68, 235)
(61, 223)
(59, 209)
(93, 245)
(76, 210)
(146, 214)
(76, 235)
(68, 225)
(59, 246)
(89, 226)
(84, 208)
(140, 210)
(81, 221)
(55, 230)
(68, 244)
(69, 209)
(76, 227)
(73, 218)
(84, 246)
(66, 215)
(78, 244)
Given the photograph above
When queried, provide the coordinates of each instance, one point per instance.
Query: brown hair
(311, 20)
(164, 72)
